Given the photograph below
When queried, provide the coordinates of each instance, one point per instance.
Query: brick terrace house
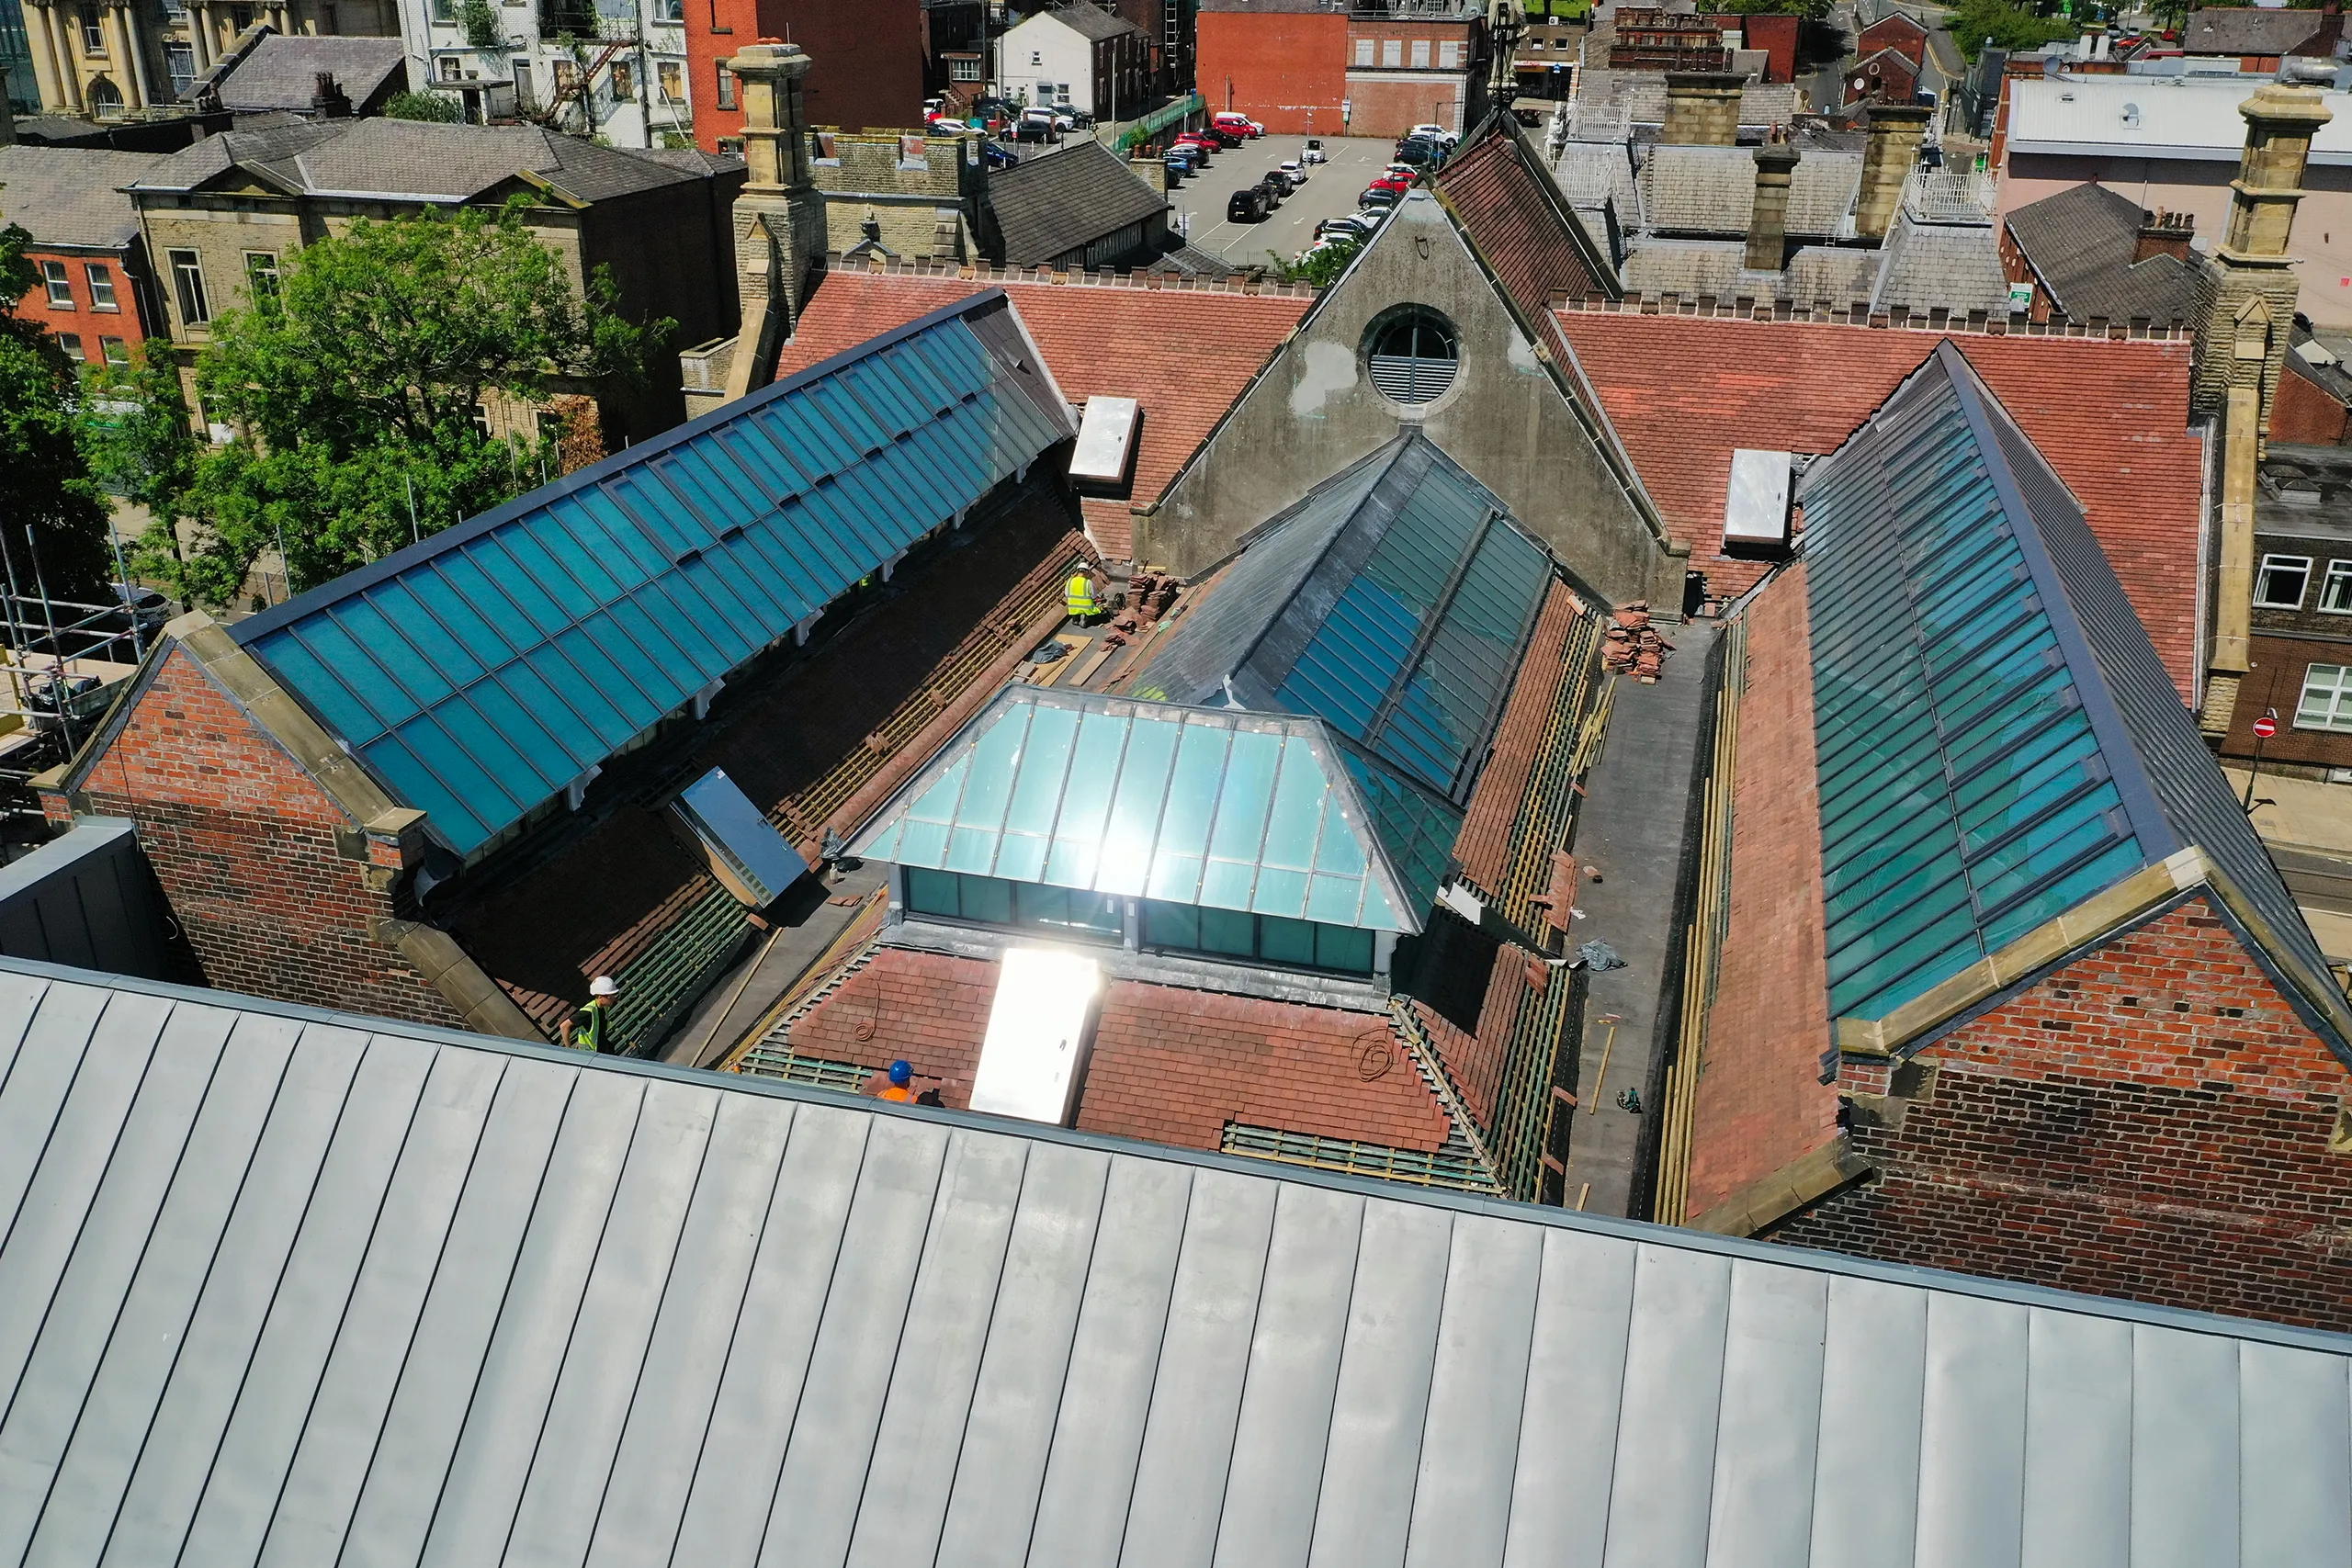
(223, 215)
(96, 293)
(2089, 252)
(1282, 62)
(1898, 32)
(1883, 77)
(2302, 620)
(1422, 66)
(2000, 978)
(871, 78)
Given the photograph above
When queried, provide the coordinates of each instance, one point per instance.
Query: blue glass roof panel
(1394, 601)
(1975, 778)
(908, 430)
(1258, 812)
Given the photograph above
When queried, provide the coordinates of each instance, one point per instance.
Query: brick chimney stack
(1767, 223)
(1895, 133)
(2163, 234)
(1703, 108)
(329, 101)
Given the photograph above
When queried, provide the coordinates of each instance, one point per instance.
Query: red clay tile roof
(1516, 219)
(1185, 353)
(1484, 843)
(1761, 1103)
(2112, 418)
(1169, 1065)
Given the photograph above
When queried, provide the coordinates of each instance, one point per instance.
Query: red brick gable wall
(2304, 415)
(214, 798)
(2151, 1121)
(1287, 69)
(1168, 1065)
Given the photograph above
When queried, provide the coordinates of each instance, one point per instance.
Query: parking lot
(1330, 191)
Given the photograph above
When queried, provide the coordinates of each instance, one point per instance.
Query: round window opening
(1413, 354)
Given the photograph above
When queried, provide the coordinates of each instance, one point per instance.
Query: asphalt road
(1330, 192)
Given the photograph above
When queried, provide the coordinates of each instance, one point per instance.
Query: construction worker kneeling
(1079, 598)
(587, 1027)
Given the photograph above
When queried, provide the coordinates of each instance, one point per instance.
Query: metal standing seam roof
(1394, 601)
(282, 1286)
(479, 672)
(1216, 807)
(2154, 117)
(1995, 739)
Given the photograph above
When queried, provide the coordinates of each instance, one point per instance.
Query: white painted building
(1079, 57)
(631, 55)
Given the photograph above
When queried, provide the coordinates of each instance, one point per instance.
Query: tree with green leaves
(437, 106)
(352, 389)
(45, 482)
(1976, 23)
(1320, 264)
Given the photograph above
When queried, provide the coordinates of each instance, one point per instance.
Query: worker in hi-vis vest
(1079, 595)
(585, 1029)
(901, 1085)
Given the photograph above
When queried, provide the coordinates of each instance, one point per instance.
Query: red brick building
(1282, 62)
(1421, 68)
(870, 61)
(2116, 1070)
(1883, 76)
(94, 292)
(1899, 33)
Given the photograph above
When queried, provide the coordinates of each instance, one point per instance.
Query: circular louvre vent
(1413, 354)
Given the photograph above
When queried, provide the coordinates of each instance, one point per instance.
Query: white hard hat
(604, 985)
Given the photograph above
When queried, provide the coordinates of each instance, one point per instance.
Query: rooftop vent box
(1106, 442)
(1756, 510)
(1040, 1027)
(746, 853)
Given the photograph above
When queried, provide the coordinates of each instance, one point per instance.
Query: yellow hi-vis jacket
(1079, 594)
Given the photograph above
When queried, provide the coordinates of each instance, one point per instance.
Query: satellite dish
(2131, 114)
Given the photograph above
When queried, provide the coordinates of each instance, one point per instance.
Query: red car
(1391, 182)
(1203, 144)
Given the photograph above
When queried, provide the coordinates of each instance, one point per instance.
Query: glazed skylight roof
(479, 672)
(1394, 601)
(1996, 738)
(1258, 812)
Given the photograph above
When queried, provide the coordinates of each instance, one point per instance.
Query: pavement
(2307, 826)
(1631, 829)
(1330, 192)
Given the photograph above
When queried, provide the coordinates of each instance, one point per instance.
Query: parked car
(1248, 205)
(1392, 183)
(1035, 125)
(1281, 183)
(1420, 154)
(995, 157)
(1314, 153)
(1436, 134)
(1407, 172)
(1224, 135)
(1239, 123)
(1275, 193)
(1350, 228)
(1179, 161)
(1379, 196)
(1294, 171)
(1202, 147)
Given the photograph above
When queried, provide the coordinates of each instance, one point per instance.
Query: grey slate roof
(1643, 93)
(1091, 21)
(396, 158)
(1711, 191)
(2248, 30)
(1950, 267)
(72, 196)
(281, 73)
(1590, 172)
(1049, 206)
(291, 1287)
(2079, 242)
